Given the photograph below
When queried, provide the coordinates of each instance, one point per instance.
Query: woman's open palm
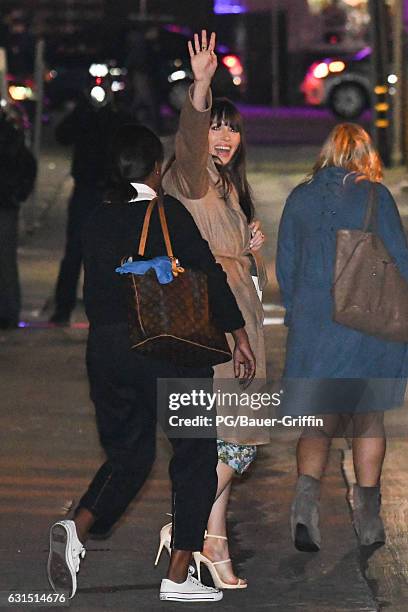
(203, 58)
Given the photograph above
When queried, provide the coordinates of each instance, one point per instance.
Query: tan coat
(193, 179)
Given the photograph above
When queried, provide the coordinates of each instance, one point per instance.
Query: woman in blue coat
(331, 370)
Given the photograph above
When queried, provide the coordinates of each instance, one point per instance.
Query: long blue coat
(317, 347)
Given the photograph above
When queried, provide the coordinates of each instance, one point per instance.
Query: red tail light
(233, 63)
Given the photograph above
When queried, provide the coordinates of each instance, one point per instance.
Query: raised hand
(203, 58)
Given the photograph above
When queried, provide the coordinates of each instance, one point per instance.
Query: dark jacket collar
(332, 174)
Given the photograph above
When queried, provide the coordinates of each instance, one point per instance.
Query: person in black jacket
(143, 62)
(90, 128)
(123, 382)
(18, 171)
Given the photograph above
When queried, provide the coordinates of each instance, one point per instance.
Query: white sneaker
(189, 590)
(64, 558)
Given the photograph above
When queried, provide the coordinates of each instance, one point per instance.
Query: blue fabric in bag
(161, 265)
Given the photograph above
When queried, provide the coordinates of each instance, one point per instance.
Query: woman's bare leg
(369, 446)
(217, 549)
(313, 447)
(225, 475)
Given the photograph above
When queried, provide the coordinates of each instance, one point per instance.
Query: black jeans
(83, 201)
(123, 389)
(10, 299)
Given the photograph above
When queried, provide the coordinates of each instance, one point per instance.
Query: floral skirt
(238, 456)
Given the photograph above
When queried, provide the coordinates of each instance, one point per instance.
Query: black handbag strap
(370, 219)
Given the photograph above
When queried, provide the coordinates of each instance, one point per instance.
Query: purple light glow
(228, 7)
(252, 113)
(171, 27)
(360, 55)
(47, 325)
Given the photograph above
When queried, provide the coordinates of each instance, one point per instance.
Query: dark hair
(233, 174)
(135, 151)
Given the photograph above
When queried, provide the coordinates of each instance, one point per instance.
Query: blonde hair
(350, 147)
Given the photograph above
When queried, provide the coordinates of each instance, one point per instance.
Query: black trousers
(10, 298)
(82, 202)
(123, 390)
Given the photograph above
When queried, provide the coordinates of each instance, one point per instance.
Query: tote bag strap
(165, 230)
(145, 228)
(164, 227)
(370, 225)
(370, 219)
(176, 268)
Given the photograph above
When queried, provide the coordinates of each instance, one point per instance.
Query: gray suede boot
(366, 515)
(305, 514)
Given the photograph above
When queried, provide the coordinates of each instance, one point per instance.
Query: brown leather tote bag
(173, 321)
(370, 294)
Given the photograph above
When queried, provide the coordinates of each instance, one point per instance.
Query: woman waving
(208, 175)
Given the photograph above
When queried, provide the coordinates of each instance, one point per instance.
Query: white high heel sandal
(211, 565)
(165, 539)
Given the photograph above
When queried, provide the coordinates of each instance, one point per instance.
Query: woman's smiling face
(223, 141)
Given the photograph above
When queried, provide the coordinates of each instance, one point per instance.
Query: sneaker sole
(61, 573)
(188, 597)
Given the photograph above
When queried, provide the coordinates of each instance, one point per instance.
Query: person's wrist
(204, 82)
(240, 336)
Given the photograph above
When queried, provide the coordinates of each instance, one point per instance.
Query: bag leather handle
(164, 227)
(175, 266)
(370, 219)
(145, 228)
(165, 230)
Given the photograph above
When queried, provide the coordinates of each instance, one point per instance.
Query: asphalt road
(50, 450)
